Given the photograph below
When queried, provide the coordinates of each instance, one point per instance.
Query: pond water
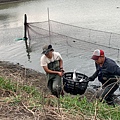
(101, 15)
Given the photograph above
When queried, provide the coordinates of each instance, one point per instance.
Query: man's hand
(60, 74)
(62, 70)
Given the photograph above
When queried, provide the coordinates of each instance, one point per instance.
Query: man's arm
(51, 71)
(61, 64)
(92, 78)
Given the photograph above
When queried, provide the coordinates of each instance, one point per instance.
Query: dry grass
(19, 105)
(11, 109)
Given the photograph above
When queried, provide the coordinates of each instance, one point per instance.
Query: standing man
(108, 73)
(52, 64)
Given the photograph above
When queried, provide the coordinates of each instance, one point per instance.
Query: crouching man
(107, 72)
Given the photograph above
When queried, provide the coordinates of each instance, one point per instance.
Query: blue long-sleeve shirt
(108, 70)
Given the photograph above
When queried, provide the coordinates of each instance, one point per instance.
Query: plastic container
(77, 86)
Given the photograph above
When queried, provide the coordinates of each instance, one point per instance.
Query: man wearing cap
(108, 73)
(52, 64)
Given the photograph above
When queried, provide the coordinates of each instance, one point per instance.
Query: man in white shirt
(52, 64)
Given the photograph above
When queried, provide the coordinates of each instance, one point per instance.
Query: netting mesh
(72, 41)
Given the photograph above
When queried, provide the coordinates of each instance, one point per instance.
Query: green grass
(71, 104)
(88, 108)
(7, 85)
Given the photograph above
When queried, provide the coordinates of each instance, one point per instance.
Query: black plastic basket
(77, 86)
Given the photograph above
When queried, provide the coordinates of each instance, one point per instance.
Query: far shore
(7, 1)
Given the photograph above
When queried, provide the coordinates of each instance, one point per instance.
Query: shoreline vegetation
(10, 1)
(24, 95)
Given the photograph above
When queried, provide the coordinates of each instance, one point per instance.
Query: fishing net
(71, 41)
(75, 44)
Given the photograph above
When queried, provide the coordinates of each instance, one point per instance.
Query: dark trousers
(108, 92)
(55, 85)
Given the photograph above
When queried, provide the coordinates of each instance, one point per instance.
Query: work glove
(91, 78)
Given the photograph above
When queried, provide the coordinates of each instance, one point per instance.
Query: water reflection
(11, 14)
(5, 17)
(9, 5)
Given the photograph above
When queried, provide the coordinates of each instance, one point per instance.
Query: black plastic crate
(75, 86)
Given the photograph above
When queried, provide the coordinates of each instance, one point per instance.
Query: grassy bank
(27, 100)
(4, 1)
